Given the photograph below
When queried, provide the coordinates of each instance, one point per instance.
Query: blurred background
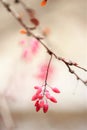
(67, 20)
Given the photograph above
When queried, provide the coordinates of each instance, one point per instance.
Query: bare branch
(47, 72)
(49, 51)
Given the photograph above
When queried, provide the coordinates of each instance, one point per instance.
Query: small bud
(56, 90)
(34, 21)
(75, 64)
(53, 99)
(45, 108)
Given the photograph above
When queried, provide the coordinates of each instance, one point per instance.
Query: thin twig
(49, 51)
(47, 72)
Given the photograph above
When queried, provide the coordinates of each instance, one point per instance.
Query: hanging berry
(42, 96)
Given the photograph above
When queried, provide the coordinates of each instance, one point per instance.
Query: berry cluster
(42, 96)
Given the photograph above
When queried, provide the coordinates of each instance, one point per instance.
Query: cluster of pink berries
(42, 96)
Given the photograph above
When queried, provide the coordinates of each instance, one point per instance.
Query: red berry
(47, 95)
(53, 99)
(39, 91)
(34, 97)
(36, 87)
(56, 90)
(37, 108)
(40, 96)
(45, 108)
(37, 103)
(35, 21)
(41, 103)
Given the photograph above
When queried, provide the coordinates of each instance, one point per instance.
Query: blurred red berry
(25, 53)
(53, 99)
(47, 95)
(41, 103)
(40, 96)
(34, 97)
(34, 45)
(36, 87)
(35, 21)
(56, 90)
(45, 108)
(36, 103)
(39, 91)
(38, 108)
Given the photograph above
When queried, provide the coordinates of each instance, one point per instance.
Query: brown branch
(48, 66)
(47, 72)
(49, 51)
(74, 73)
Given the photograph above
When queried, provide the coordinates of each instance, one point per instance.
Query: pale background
(67, 20)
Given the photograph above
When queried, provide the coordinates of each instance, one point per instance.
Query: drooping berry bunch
(42, 96)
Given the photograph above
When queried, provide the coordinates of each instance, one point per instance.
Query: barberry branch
(49, 51)
(48, 66)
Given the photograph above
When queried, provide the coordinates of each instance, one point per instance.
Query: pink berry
(41, 103)
(36, 87)
(45, 108)
(38, 108)
(47, 95)
(37, 103)
(34, 97)
(34, 46)
(40, 96)
(53, 99)
(39, 91)
(56, 90)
